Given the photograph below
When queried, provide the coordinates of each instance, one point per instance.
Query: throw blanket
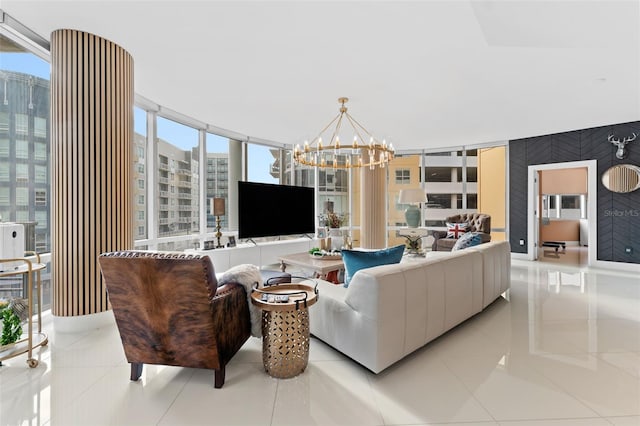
(247, 275)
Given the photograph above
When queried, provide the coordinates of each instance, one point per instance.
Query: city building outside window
(403, 176)
(400, 178)
(4, 198)
(22, 196)
(22, 149)
(140, 148)
(4, 147)
(450, 181)
(41, 198)
(179, 167)
(4, 171)
(217, 177)
(22, 172)
(40, 152)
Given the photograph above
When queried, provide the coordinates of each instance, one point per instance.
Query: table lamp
(412, 197)
(217, 209)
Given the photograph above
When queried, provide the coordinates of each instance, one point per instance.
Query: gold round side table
(285, 327)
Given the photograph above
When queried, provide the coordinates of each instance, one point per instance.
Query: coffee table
(327, 269)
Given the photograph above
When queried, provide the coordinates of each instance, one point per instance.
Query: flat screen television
(267, 210)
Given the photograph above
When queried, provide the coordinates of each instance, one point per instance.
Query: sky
(179, 135)
(26, 63)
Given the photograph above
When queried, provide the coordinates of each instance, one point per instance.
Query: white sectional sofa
(389, 311)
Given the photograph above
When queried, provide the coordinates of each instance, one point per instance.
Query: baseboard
(82, 323)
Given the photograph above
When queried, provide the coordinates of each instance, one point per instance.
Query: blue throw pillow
(354, 260)
(469, 239)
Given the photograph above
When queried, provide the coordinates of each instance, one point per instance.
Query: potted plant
(11, 326)
(333, 220)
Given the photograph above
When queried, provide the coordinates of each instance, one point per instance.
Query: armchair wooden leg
(219, 377)
(136, 370)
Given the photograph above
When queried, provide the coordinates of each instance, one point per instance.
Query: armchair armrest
(230, 312)
(439, 234)
(436, 236)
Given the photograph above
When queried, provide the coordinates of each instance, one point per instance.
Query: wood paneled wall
(91, 141)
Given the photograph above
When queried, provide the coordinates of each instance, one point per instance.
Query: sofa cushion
(456, 230)
(354, 260)
(469, 239)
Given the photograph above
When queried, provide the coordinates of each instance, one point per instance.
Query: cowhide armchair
(478, 222)
(170, 311)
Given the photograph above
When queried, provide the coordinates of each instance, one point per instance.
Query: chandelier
(359, 153)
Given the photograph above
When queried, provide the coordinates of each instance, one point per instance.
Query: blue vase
(412, 216)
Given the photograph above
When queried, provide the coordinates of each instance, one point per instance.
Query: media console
(261, 254)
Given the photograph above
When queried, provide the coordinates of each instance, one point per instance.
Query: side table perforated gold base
(285, 329)
(285, 342)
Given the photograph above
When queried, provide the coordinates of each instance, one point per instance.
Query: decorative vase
(412, 216)
(336, 238)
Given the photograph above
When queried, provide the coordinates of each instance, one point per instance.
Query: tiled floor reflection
(572, 255)
(563, 350)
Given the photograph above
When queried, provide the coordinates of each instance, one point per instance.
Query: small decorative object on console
(275, 298)
(217, 209)
(318, 253)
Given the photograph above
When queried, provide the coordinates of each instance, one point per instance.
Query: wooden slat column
(91, 142)
(373, 209)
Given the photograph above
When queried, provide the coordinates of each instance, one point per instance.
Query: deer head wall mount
(621, 153)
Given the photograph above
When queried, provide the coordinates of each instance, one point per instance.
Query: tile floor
(564, 350)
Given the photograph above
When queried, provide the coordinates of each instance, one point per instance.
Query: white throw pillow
(247, 275)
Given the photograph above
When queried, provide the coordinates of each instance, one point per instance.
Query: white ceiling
(422, 74)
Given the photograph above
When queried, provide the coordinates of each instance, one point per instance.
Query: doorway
(535, 248)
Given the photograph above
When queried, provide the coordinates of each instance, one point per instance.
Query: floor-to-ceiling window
(178, 183)
(492, 188)
(403, 174)
(217, 178)
(25, 185)
(263, 164)
(140, 198)
(450, 181)
(333, 189)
